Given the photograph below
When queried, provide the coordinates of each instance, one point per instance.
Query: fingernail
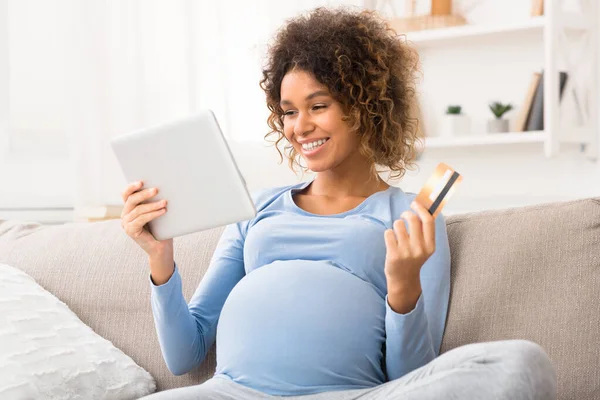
(413, 204)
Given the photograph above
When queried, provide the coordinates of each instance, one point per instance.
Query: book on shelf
(537, 8)
(521, 122)
(535, 119)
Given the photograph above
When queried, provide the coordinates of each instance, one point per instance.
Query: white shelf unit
(553, 27)
(435, 37)
(487, 139)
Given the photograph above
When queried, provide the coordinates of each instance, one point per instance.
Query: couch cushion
(531, 273)
(102, 275)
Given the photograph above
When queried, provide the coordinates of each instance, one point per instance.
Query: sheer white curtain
(133, 64)
(136, 63)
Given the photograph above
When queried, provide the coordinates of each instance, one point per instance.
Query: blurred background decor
(73, 74)
(498, 124)
(456, 123)
(439, 16)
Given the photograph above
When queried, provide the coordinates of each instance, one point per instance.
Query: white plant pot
(455, 125)
(497, 125)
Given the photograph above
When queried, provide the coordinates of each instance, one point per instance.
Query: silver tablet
(190, 163)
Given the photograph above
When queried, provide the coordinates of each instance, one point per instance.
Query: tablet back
(190, 163)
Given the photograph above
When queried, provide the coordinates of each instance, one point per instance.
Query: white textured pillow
(46, 352)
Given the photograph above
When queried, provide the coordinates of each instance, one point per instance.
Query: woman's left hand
(406, 253)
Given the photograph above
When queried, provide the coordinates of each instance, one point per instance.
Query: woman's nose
(303, 124)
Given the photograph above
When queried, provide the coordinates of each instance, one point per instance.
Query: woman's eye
(292, 112)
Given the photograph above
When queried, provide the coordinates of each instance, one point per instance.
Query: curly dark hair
(367, 67)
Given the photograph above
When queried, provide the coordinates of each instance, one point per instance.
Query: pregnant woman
(338, 288)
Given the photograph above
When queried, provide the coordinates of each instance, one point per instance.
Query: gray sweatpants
(510, 369)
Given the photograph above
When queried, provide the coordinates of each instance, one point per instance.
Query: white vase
(455, 125)
(497, 125)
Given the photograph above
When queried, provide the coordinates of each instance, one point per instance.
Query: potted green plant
(455, 123)
(499, 124)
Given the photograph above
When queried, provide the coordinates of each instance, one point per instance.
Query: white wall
(507, 176)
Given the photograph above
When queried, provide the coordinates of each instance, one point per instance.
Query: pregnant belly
(298, 327)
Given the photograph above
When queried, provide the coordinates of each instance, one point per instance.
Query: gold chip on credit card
(438, 189)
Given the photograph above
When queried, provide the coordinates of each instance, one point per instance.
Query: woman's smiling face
(313, 123)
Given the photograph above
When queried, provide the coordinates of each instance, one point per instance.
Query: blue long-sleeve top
(297, 302)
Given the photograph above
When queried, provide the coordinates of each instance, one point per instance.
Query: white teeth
(313, 145)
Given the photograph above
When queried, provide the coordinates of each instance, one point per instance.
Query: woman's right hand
(135, 216)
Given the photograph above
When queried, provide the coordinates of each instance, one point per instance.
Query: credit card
(438, 189)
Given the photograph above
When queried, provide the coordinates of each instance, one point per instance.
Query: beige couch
(530, 272)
